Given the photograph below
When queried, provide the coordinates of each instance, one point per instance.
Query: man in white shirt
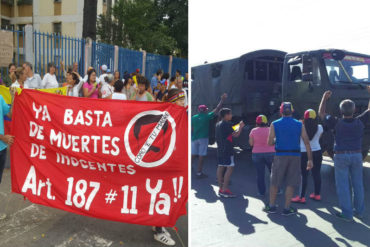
(107, 88)
(33, 80)
(104, 69)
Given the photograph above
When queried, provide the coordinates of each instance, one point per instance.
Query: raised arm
(322, 107)
(306, 142)
(271, 138)
(218, 107)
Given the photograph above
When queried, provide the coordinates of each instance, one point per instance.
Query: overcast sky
(225, 29)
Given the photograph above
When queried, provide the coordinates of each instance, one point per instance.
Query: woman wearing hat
(314, 132)
(262, 153)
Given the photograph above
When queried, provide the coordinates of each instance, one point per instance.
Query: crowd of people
(132, 86)
(290, 149)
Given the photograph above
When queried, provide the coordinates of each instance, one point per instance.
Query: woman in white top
(50, 80)
(74, 84)
(314, 132)
(20, 76)
(117, 94)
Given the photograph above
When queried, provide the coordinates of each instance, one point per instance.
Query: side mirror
(307, 68)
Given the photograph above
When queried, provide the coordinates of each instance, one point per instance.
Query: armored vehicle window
(275, 72)
(249, 69)
(261, 71)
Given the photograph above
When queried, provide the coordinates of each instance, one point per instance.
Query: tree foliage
(157, 26)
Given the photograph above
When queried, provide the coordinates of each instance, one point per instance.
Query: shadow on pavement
(351, 230)
(297, 226)
(244, 185)
(235, 209)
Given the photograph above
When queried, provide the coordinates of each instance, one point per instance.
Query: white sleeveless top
(315, 142)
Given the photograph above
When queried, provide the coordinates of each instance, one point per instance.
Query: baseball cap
(310, 114)
(261, 119)
(108, 70)
(138, 70)
(202, 108)
(286, 108)
(104, 67)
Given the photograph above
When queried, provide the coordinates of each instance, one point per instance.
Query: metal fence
(57, 48)
(102, 54)
(129, 60)
(51, 47)
(154, 62)
(179, 64)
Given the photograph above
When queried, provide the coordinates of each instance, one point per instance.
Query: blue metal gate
(129, 60)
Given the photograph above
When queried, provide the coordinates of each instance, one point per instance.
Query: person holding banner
(20, 78)
(91, 89)
(50, 80)
(5, 140)
(175, 96)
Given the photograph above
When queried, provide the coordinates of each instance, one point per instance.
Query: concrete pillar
(88, 53)
(170, 65)
(144, 61)
(28, 45)
(116, 52)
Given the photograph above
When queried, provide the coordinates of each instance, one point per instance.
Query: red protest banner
(117, 160)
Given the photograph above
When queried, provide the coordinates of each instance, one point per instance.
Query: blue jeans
(260, 161)
(349, 165)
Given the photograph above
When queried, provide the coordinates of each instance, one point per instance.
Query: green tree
(143, 24)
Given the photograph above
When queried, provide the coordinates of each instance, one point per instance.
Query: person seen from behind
(314, 132)
(348, 167)
(285, 133)
(262, 153)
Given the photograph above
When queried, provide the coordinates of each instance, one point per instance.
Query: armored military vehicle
(257, 83)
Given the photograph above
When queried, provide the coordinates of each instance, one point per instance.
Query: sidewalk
(241, 222)
(32, 225)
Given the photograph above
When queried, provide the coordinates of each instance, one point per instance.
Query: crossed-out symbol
(138, 158)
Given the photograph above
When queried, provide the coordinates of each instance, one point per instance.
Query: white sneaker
(163, 230)
(164, 239)
(2, 216)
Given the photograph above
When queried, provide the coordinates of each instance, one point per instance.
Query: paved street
(32, 225)
(241, 222)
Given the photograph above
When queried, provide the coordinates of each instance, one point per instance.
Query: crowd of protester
(131, 86)
(290, 150)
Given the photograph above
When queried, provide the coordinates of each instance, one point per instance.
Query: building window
(57, 28)
(5, 24)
